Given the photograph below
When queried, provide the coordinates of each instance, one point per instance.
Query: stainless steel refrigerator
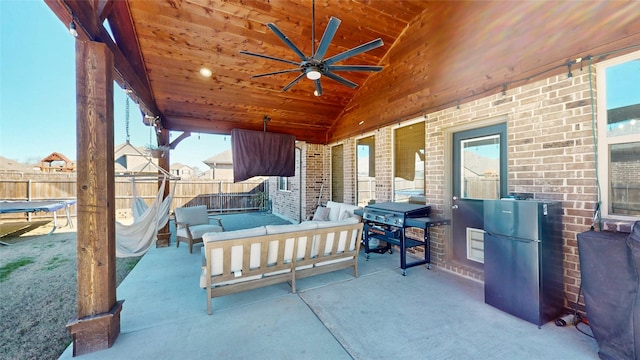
(523, 272)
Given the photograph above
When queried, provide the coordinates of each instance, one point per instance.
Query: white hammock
(137, 238)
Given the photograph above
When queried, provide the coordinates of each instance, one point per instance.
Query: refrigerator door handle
(510, 238)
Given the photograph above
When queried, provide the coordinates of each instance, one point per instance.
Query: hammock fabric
(137, 238)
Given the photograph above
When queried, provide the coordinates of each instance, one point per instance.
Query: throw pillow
(344, 214)
(321, 214)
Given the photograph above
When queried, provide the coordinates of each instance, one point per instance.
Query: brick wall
(384, 165)
(286, 204)
(349, 171)
(316, 177)
(550, 154)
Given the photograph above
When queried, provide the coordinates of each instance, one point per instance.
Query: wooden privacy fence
(482, 188)
(218, 196)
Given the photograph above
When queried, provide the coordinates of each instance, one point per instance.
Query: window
(284, 183)
(337, 173)
(619, 135)
(366, 170)
(480, 167)
(408, 162)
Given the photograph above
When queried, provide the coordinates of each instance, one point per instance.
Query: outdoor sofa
(240, 260)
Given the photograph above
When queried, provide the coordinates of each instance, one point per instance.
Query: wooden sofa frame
(283, 269)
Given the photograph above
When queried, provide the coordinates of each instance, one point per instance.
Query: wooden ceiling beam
(89, 28)
(185, 123)
(104, 9)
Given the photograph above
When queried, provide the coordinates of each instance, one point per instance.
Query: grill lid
(397, 207)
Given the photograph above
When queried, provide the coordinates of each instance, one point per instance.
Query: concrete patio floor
(428, 314)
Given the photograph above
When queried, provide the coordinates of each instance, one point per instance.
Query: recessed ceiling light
(206, 72)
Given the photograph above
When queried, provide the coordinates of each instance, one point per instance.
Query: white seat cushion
(346, 211)
(334, 210)
(235, 234)
(197, 231)
(288, 251)
(236, 251)
(340, 211)
(321, 214)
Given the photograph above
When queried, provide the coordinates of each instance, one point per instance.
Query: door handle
(454, 207)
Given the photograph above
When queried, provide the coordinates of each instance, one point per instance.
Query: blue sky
(37, 93)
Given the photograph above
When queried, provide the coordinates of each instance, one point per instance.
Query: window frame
(372, 162)
(604, 141)
(419, 120)
(287, 184)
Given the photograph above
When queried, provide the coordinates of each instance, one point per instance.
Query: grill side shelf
(395, 236)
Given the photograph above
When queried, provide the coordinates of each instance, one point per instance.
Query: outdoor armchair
(192, 223)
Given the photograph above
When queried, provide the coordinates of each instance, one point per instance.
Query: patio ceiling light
(72, 28)
(206, 72)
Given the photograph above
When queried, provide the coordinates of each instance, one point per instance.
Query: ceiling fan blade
(354, 68)
(276, 73)
(286, 40)
(295, 81)
(328, 35)
(270, 58)
(340, 79)
(318, 91)
(355, 51)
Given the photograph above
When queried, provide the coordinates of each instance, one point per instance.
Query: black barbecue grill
(385, 224)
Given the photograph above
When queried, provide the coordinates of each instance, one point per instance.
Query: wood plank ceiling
(435, 54)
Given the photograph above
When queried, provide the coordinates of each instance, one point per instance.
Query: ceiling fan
(314, 66)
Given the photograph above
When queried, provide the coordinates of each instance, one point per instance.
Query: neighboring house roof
(132, 159)
(128, 149)
(46, 164)
(224, 157)
(175, 166)
(12, 165)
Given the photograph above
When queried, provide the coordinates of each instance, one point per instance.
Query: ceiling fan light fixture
(313, 73)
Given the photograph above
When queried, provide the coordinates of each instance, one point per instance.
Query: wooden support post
(98, 322)
(164, 162)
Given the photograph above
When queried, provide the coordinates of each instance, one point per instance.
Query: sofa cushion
(343, 235)
(346, 211)
(334, 210)
(235, 234)
(236, 251)
(281, 229)
(321, 214)
(194, 215)
(326, 224)
(198, 230)
(337, 210)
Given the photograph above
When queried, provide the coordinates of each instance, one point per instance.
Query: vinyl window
(408, 162)
(619, 135)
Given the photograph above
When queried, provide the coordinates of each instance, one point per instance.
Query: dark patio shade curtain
(257, 153)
